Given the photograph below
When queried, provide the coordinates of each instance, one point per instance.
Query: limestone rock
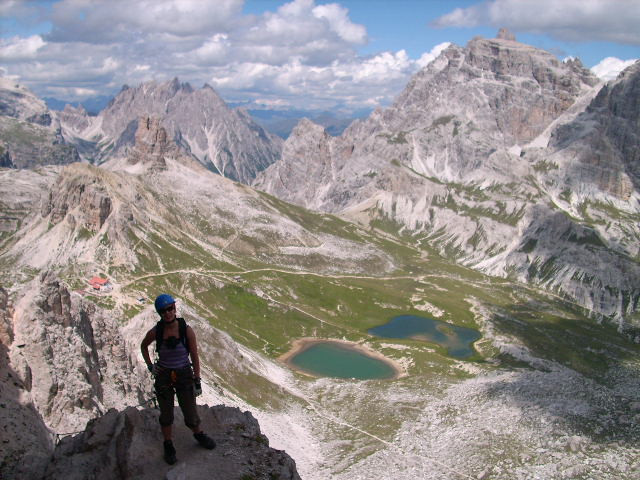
(89, 201)
(28, 135)
(198, 121)
(25, 441)
(151, 143)
(128, 444)
(75, 117)
(603, 140)
(17, 101)
(504, 34)
(482, 140)
(308, 154)
(72, 360)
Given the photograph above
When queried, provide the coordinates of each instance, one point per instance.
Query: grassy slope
(265, 307)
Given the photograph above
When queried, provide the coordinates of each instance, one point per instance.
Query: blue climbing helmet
(163, 301)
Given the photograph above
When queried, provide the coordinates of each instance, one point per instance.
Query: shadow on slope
(584, 376)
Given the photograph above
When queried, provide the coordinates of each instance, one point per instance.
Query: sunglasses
(168, 309)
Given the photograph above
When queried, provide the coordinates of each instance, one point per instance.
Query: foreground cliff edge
(126, 445)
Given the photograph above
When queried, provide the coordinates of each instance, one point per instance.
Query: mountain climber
(173, 374)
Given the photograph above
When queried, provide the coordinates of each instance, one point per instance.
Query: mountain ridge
(224, 140)
(467, 155)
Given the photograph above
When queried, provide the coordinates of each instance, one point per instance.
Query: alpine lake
(338, 359)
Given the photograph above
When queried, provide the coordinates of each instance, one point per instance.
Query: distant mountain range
(277, 121)
(93, 105)
(282, 122)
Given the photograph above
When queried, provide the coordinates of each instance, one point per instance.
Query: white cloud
(338, 18)
(97, 21)
(428, 57)
(573, 20)
(16, 48)
(17, 8)
(610, 67)
(304, 54)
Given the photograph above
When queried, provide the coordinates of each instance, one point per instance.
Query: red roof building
(99, 283)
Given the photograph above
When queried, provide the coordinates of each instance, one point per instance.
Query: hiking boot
(205, 440)
(169, 452)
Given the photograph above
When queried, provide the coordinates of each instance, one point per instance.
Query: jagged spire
(504, 34)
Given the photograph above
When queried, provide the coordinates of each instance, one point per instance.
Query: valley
(498, 193)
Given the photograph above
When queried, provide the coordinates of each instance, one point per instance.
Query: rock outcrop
(128, 445)
(71, 356)
(25, 441)
(603, 142)
(151, 144)
(89, 202)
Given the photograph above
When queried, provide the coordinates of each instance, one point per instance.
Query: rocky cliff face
(464, 159)
(602, 143)
(64, 362)
(28, 135)
(18, 102)
(71, 356)
(90, 202)
(224, 140)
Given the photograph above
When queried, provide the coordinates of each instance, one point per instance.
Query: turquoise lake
(457, 340)
(331, 359)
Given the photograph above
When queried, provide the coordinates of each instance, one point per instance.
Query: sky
(344, 55)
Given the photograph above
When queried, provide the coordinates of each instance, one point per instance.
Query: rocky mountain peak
(17, 101)
(520, 88)
(151, 144)
(198, 121)
(502, 119)
(75, 117)
(604, 139)
(621, 96)
(308, 127)
(78, 198)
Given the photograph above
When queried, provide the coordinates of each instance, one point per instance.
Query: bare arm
(149, 338)
(193, 351)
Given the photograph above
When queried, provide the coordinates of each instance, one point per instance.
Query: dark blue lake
(332, 359)
(457, 340)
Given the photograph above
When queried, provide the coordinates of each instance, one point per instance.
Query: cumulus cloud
(96, 21)
(428, 57)
(303, 54)
(573, 20)
(18, 49)
(610, 67)
(338, 19)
